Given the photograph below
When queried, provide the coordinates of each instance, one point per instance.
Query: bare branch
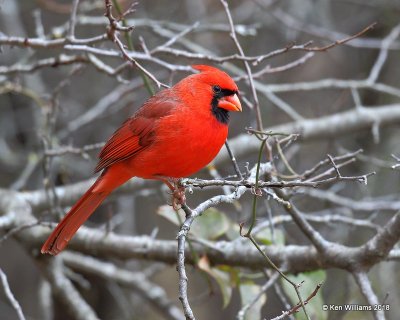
(331, 126)
(383, 53)
(340, 42)
(292, 22)
(378, 247)
(364, 205)
(368, 293)
(10, 297)
(65, 291)
(39, 64)
(72, 19)
(298, 306)
(183, 280)
(323, 112)
(114, 27)
(246, 64)
(153, 293)
(100, 107)
(271, 281)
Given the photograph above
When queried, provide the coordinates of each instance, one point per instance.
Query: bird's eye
(216, 89)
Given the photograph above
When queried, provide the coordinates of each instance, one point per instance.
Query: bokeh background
(51, 107)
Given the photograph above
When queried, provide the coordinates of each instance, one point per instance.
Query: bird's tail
(78, 214)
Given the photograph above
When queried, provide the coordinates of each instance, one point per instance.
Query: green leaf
(266, 237)
(222, 278)
(311, 280)
(171, 215)
(234, 274)
(233, 232)
(248, 291)
(210, 225)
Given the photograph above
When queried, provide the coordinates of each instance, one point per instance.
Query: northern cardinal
(173, 135)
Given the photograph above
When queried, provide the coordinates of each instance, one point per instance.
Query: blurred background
(78, 104)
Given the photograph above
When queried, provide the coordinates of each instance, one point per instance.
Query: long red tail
(78, 214)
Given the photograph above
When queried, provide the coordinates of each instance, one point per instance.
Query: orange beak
(230, 103)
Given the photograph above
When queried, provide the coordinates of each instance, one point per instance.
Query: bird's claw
(178, 197)
(177, 191)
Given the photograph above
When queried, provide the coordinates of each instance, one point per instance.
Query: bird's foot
(177, 191)
(178, 196)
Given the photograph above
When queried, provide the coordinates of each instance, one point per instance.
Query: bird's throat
(220, 114)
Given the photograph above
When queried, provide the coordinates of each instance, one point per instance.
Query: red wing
(138, 132)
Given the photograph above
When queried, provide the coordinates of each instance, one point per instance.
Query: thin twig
(153, 293)
(183, 280)
(294, 285)
(248, 69)
(114, 28)
(368, 293)
(72, 19)
(233, 159)
(298, 306)
(343, 41)
(383, 53)
(10, 297)
(271, 281)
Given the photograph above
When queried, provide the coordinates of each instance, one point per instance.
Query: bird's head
(219, 89)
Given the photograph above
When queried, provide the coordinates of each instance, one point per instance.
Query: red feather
(74, 219)
(137, 132)
(174, 134)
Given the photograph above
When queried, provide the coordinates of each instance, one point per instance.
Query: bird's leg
(178, 195)
(177, 191)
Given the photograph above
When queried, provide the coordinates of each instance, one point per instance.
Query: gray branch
(153, 293)
(10, 297)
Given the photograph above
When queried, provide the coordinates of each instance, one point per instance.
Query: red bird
(174, 134)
